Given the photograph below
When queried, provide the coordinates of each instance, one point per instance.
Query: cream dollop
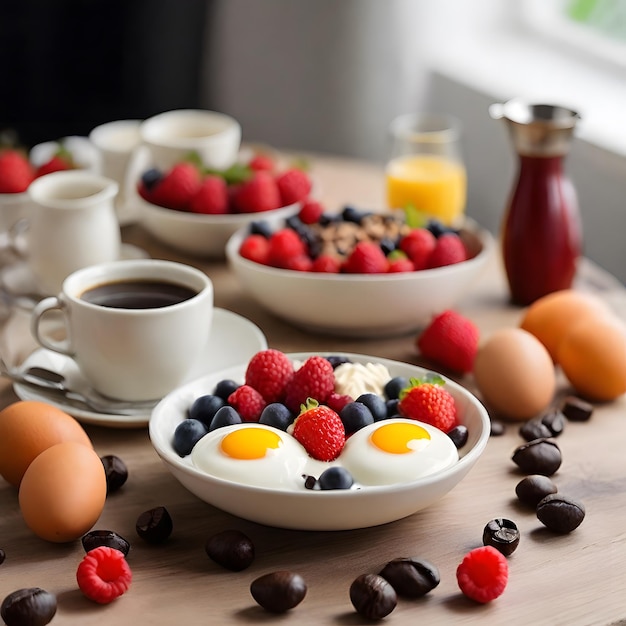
(355, 379)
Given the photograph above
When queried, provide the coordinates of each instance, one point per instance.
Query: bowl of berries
(318, 441)
(195, 209)
(358, 273)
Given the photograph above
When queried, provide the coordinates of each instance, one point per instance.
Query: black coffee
(138, 294)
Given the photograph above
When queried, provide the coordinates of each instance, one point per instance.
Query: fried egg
(252, 454)
(397, 451)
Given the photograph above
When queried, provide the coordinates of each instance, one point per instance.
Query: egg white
(280, 468)
(371, 466)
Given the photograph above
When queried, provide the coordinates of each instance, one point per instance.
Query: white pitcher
(70, 224)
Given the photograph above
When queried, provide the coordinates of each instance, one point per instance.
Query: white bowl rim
(468, 459)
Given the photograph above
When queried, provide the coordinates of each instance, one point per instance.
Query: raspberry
(337, 401)
(314, 379)
(448, 251)
(211, 197)
(320, 430)
(428, 401)
(300, 263)
(450, 340)
(310, 211)
(285, 244)
(418, 245)
(16, 172)
(257, 194)
(262, 162)
(366, 258)
(483, 574)
(399, 263)
(294, 185)
(255, 248)
(248, 402)
(327, 264)
(176, 189)
(269, 372)
(103, 574)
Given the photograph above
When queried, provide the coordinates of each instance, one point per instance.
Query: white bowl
(316, 510)
(358, 305)
(202, 235)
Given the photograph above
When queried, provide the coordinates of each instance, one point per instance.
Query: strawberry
(366, 258)
(314, 379)
(269, 372)
(430, 402)
(16, 172)
(320, 430)
(57, 163)
(103, 574)
(261, 162)
(176, 189)
(294, 185)
(248, 402)
(255, 248)
(450, 340)
(211, 198)
(448, 251)
(327, 264)
(399, 262)
(311, 211)
(257, 194)
(285, 244)
(300, 263)
(418, 245)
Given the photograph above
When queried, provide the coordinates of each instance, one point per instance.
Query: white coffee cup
(131, 353)
(116, 143)
(70, 224)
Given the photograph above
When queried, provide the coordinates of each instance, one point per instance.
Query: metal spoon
(52, 384)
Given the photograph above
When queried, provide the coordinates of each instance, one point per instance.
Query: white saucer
(18, 280)
(234, 339)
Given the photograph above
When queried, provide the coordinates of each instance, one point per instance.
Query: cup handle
(14, 240)
(45, 306)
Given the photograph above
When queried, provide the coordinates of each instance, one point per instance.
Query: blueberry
(437, 228)
(327, 219)
(224, 388)
(151, 177)
(337, 360)
(392, 407)
(295, 223)
(335, 477)
(261, 227)
(355, 415)
(205, 407)
(187, 435)
(277, 415)
(225, 416)
(375, 404)
(351, 214)
(388, 245)
(394, 386)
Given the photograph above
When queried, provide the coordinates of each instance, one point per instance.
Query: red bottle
(541, 235)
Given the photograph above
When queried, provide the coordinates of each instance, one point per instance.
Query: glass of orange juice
(426, 168)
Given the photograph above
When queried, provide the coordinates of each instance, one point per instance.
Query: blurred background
(329, 76)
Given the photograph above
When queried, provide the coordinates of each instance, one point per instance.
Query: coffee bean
(154, 525)
(278, 592)
(372, 596)
(555, 421)
(533, 488)
(231, 549)
(96, 538)
(29, 607)
(497, 428)
(410, 577)
(116, 472)
(502, 534)
(459, 435)
(540, 456)
(576, 410)
(560, 513)
(534, 429)
(310, 482)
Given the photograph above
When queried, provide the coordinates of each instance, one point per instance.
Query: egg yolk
(399, 438)
(250, 443)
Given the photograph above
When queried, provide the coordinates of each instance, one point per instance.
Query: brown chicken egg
(515, 374)
(63, 492)
(29, 427)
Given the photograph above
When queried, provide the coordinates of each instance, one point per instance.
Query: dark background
(68, 65)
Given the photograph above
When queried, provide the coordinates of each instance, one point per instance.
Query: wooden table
(578, 578)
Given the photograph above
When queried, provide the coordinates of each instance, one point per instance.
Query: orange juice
(432, 184)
